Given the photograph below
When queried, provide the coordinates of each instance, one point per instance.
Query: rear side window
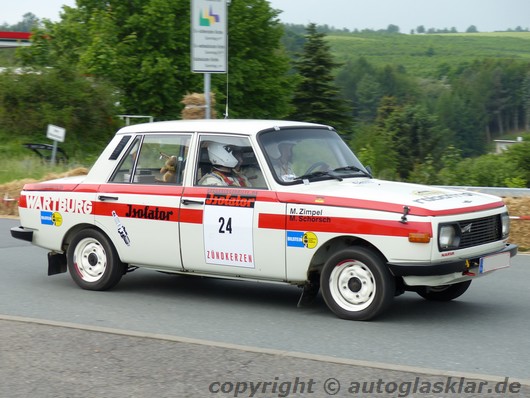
(123, 142)
(154, 159)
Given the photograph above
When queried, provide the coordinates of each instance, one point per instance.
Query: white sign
(208, 36)
(227, 223)
(56, 133)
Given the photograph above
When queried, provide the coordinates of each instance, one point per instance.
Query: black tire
(356, 284)
(443, 293)
(93, 261)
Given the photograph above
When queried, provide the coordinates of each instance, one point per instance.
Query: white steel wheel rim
(90, 260)
(352, 285)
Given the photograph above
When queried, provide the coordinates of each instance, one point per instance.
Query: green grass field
(421, 55)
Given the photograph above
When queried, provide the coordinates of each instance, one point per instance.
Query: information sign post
(56, 134)
(208, 41)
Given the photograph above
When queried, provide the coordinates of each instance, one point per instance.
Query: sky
(486, 15)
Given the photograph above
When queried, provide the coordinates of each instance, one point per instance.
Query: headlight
(448, 236)
(505, 220)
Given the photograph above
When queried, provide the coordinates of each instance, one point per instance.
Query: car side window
(157, 159)
(228, 161)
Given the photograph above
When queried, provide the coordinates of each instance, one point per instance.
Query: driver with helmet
(223, 172)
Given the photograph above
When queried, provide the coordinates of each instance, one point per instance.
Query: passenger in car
(223, 172)
(283, 165)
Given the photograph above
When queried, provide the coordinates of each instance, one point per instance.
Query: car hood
(390, 196)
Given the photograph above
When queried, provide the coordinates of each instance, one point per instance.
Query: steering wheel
(315, 166)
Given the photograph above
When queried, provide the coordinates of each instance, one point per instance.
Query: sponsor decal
(310, 240)
(64, 205)
(231, 257)
(302, 239)
(121, 229)
(427, 193)
(51, 218)
(148, 212)
(216, 199)
(227, 228)
(294, 239)
(361, 182)
(433, 196)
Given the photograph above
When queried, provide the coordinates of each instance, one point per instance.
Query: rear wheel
(356, 284)
(443, 293)
(93, 261)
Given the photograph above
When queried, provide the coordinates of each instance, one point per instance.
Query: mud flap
(309, 293)
(56, 263)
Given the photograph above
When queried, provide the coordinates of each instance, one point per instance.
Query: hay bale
(194, 106)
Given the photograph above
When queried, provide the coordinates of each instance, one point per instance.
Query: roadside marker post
(56, 134)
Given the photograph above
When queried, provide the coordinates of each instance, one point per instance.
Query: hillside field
(422, 54)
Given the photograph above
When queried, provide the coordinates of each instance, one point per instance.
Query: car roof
(240, 126)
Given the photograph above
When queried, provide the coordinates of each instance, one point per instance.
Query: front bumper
(22, 233)
(431, 269)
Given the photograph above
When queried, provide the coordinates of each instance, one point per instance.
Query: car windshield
(298, 155)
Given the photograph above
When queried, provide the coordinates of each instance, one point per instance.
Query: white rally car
(263, 200)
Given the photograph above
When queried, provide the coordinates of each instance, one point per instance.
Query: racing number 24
(223, 228)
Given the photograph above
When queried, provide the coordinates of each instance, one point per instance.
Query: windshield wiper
(332, 173)
(353, 168)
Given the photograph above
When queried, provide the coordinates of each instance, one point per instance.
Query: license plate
(493, 262)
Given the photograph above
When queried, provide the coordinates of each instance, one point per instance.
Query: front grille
(479, 231)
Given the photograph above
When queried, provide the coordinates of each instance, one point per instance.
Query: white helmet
(221, 156)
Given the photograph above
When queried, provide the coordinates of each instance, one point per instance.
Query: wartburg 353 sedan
(260, 200)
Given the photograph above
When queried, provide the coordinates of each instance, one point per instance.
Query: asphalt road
(163, 335)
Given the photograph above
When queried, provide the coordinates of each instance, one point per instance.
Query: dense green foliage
(317, 98)
(143, 49)
(7, 57)
(31, 101)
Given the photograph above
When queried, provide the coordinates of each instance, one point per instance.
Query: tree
(472, 29)
(402, 137)
(316, 98)
(349, 77)
(374, 143)
(526, 100)
(260, 85)
(85, 108)
(519, 156)
(369, 94)
(28, 23)
(392, 29)
(420, 29)
(142, 47)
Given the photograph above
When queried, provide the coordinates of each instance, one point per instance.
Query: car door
(139, 206)
(229, 229)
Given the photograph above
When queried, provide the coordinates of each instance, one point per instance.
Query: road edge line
(269, 351)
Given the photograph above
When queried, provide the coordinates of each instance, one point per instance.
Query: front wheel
(443, 293)
(356, 284)
(93, 261)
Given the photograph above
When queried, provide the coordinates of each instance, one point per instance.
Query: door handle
(105, 197)
(192, 202)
